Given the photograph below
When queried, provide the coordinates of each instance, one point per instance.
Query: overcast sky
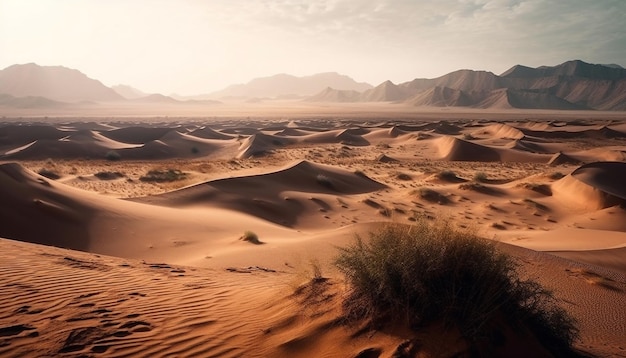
(198, 46)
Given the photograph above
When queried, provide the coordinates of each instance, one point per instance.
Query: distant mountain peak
(54, 82)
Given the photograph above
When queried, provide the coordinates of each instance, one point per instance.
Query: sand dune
(178, 280)
(608, 177)
(286, 197)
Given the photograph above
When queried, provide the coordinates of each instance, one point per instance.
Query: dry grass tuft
(251, 237)
(432, 195)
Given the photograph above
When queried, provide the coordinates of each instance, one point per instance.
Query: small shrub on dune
(480, 177)
(431, 195)
(251, 237)
(447, 175)
(108, 175)
(162, 176)
(49, 173)
(431, 272)
(556, 175)
(325, 181)
(112, 156)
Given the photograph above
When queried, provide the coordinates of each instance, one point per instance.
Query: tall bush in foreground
(433, 272)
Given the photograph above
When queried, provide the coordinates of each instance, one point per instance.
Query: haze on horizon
(193, 46)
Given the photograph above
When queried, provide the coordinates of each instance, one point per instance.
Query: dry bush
(251, 237)
(433, 272)
(49, 173)
(431, 195)
(162, 176)
(108, 175)
(448, 175)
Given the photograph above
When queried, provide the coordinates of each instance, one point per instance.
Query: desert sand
(102, 257)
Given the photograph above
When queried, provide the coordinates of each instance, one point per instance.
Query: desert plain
(122, 234)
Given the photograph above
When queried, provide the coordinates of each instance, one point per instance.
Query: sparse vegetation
(539, 188)
(556, 175)
(250, 237)
(113, 155)
(325, 181)
(480, 177)
(431, 195)
(480, 188)
(162, 176)
(403, 176)
(447, 175)
(49, 173)
(108, 175)
(433, 272)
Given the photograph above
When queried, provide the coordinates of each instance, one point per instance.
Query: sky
(199, 46)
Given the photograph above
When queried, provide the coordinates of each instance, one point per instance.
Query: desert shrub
(539, 188)
(250, 237)
(480, 177)
(403, 176)
(468, 136)
(324, 181)
(556, 175)
(49, 173)
(195, 150)
(113, 155)
(161, 176)
(108, 175)
(477, 187)
(433, 272)
(447, 175)
(431, 195)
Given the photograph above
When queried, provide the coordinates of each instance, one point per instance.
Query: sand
(97, 260)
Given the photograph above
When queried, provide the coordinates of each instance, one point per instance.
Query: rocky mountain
(570, 85)
(55, 83)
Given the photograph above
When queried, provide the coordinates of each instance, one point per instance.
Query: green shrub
(427, 273)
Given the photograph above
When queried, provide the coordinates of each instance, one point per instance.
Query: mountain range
(570, 85)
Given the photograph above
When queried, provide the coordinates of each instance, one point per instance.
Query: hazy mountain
(333, 95)
(53, 82)
(570, 85)
(385, 92)
(284, 85)
(6, 100)
(128, 92)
